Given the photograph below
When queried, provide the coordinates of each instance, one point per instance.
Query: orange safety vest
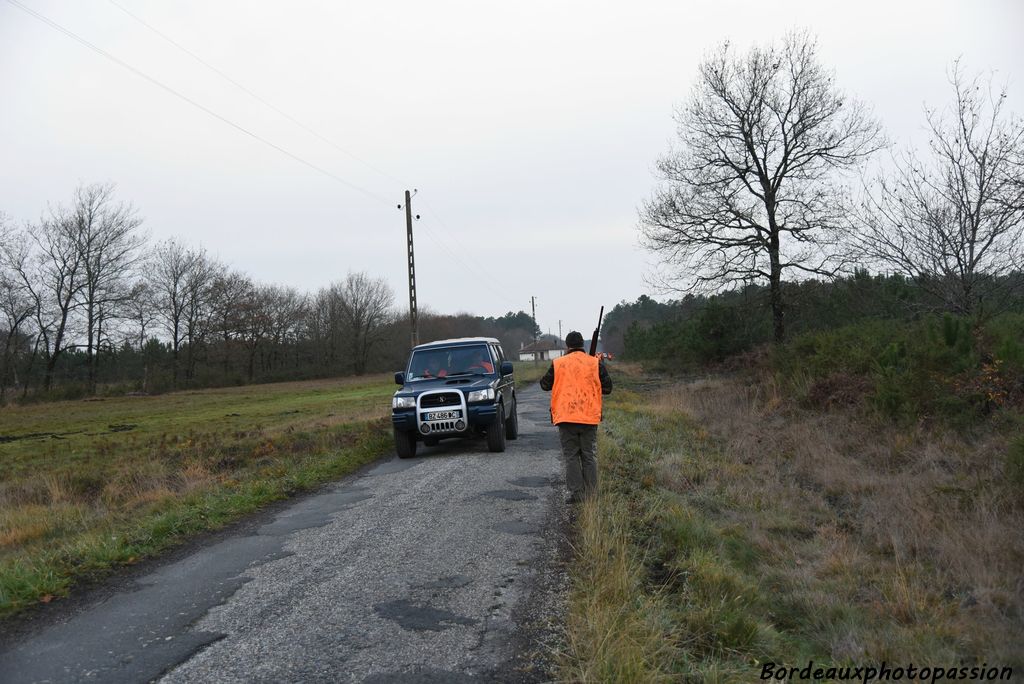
(576, 392)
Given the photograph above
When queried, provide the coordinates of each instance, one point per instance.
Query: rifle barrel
(597, 333)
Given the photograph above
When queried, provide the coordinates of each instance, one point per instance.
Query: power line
(478, 276)
(430, 233)
(52, 24)
(254, 95)
(437, 217)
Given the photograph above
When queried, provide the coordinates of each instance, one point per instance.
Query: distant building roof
(542, 345)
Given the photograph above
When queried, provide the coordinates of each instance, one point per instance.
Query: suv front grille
(445, 399)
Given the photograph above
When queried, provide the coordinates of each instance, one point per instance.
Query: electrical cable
(197, 105)
(477, 275)
(254, 95)
(436, 238)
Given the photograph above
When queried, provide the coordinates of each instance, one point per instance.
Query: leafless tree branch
(752, 190)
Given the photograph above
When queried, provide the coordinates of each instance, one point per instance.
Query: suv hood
(466, 383)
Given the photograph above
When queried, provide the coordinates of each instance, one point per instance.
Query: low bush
(935, 367)
(713, 334)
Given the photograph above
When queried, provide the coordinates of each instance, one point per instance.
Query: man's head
(574, 340)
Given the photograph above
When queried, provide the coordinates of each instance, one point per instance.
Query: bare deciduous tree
(229, 292)
(365, 311)
(287, 315)
(953, 221)
(16, 302)
(109, 244)
(54, 275)
(178, 276)
(323, 325)
(751, 191)
(256, 323)
(141, 310)
(202, 272)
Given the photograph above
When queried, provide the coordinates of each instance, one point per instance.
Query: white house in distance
(541, 350)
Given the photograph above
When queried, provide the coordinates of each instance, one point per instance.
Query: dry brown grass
(612, 631)
(917, 528)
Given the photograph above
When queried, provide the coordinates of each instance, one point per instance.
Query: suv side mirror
(399, 378)
(506, 368)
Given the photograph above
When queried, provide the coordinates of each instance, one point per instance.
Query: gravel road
(443, 568)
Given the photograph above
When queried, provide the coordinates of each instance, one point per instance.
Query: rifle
(597, 331)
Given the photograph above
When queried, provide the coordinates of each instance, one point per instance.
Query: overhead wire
(435, 236)
(252, 94)
(138, 72)
(481, 277)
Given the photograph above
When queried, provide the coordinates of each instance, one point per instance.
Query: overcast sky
(530, 129)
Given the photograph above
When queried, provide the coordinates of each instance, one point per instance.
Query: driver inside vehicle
(435, 368)
(478, 362)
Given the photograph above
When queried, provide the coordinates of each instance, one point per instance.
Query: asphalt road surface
(443, 568)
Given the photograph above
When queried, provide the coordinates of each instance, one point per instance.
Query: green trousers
(579, 447)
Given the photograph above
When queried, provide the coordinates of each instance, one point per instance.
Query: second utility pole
(412, 271)
(533, 308)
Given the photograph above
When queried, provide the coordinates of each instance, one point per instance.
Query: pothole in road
(531, 482)
(509, 495)
(421, 677)
(420, 618)
(390, 467)
(452, 582)
(516, 527)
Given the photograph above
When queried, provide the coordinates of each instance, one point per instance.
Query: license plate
(443, 415)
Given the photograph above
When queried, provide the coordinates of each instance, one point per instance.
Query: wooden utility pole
(415, 336)
(533, 309)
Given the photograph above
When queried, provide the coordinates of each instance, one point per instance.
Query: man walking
(576, 382)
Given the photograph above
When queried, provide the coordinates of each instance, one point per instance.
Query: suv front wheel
(512, 423)
(405, 443)
(496, 432)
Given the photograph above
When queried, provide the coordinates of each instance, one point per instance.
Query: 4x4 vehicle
(455, 388)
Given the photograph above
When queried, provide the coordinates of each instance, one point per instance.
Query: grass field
(734, 530)
(527, 372)
(89, 485)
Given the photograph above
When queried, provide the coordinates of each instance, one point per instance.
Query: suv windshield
(448, 362)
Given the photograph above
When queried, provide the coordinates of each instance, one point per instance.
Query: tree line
(769, 185)
(88, 304)
(698, 329)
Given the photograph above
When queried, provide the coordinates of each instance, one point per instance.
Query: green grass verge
(88, 486)
(528, 372)
(695, 565)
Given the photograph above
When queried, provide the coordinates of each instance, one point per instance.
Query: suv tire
(512, 424)
(496, 432)
(405, 443)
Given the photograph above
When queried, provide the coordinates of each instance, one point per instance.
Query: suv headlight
(403, 402)
(481, 395)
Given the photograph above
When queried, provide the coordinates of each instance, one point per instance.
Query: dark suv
(455, 388)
